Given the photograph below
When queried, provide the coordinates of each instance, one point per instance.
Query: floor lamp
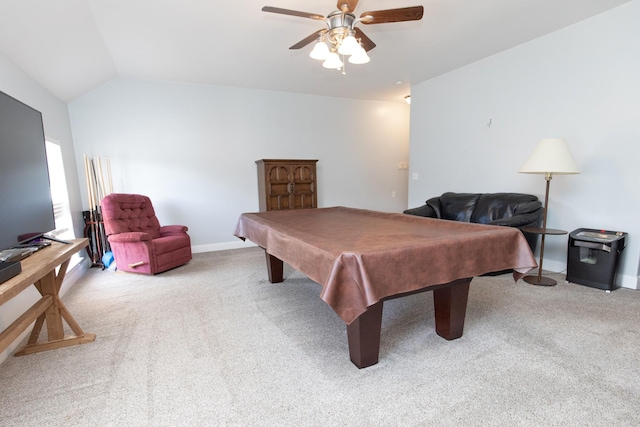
(551, 156)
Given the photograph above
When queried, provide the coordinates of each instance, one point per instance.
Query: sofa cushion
(493, 206)
(458, 206)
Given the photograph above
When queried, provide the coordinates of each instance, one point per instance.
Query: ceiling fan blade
(366, 41)
(349, 5)
(293, 13)
(393, 15)
(302, 43)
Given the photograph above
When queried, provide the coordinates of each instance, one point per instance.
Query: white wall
(192, 148)
(16, 83)
(581, 83)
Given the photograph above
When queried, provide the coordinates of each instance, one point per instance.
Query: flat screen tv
(26, 208)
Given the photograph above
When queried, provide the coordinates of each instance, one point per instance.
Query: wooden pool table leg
(275, 268)
(450, 305)
(364, 337)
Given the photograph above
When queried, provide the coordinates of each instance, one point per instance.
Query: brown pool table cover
(361, 257)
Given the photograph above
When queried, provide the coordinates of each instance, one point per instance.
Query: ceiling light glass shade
(332, 61)
(320, 51)
(408, 99)
(349, 46)
(551, 156)
(359, 57)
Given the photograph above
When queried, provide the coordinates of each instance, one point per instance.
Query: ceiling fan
(342, 35)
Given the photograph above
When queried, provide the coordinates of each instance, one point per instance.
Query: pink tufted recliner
(138, 242)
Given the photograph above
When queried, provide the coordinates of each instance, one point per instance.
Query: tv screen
(26, 208)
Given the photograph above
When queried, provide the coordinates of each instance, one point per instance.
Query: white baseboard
(222, 246)
(74, 274)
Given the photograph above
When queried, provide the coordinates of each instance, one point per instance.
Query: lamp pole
(547, 178)
(550, 156)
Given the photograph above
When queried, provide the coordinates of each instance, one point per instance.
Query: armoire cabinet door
(287, 184)
(302, 193)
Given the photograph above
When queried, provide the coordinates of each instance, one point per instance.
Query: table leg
(51, 309)
(364, 337)
(55, 329)
(450, 305)
(275, 268)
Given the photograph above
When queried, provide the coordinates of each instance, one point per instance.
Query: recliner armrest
(167, 230)
(132, 236)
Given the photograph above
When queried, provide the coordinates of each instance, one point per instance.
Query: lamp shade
(359, 57)
(320, 51)
(332, 61)
(349, 45)
(551, 156)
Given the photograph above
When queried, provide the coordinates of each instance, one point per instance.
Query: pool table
(362, 258)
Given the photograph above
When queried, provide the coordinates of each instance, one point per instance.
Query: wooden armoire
(287, 184)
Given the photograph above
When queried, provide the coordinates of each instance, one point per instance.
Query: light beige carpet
(214, 343)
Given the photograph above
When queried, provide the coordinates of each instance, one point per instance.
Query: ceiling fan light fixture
(340, 35)
(349, 45)
(359, 57)
(320, 51)
(333, 61)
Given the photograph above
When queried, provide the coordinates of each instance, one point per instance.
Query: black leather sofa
(508, 209)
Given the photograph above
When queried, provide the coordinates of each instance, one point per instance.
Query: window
(59, 193)
(60, 198)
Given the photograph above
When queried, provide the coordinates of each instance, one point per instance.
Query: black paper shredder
(593, 257)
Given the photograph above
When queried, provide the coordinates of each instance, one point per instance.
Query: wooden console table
(39, 270)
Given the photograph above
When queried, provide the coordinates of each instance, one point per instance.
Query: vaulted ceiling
(73, 46)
